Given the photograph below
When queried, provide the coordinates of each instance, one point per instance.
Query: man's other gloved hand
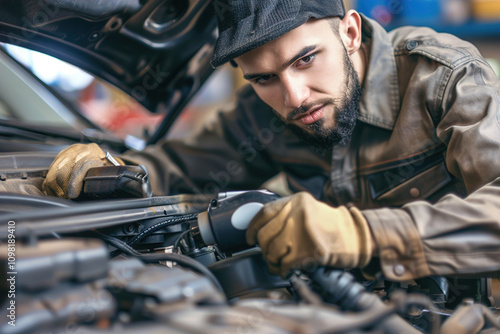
(300, 230)
(67, 171)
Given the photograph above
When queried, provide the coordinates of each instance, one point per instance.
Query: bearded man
(390, 141)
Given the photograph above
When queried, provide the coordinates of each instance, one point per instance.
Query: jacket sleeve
(225, 154)
(455, 235)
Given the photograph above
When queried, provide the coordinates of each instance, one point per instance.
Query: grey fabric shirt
(423, 164)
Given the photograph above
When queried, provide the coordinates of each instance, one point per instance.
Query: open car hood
(157, 51)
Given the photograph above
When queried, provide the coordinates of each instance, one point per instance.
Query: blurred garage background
(475, 20)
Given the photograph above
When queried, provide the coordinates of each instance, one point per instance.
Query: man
(398, 133)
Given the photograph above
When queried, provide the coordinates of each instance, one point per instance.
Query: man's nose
(295, 92)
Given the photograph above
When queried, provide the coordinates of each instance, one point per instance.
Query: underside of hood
(157, 51)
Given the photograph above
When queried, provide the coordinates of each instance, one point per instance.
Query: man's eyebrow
(287, 63)
(255, 75)
(299, 55)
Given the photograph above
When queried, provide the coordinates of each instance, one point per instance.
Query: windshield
(102, 104)
(25, 100)
(99, 102)
(110, 108)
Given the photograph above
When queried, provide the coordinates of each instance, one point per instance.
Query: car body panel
(140, 48)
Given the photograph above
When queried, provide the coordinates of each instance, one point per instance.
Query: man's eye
(305, 60)
(263, 79)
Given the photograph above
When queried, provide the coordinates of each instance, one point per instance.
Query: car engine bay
(180, 264)
(120, 260)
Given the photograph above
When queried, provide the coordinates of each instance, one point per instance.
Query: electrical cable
(150, 230)
(179, 239)
(121, 246)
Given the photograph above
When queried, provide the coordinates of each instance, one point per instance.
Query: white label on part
(242, 217)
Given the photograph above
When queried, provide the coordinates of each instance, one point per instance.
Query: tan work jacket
(423, 164)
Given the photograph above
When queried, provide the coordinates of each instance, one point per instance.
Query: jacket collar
(380, 100)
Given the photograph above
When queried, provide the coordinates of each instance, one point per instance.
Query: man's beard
(346, 112)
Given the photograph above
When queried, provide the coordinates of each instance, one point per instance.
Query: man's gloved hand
(299, 230)
(67, 171)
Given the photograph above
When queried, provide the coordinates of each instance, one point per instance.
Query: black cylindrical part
(226, 220)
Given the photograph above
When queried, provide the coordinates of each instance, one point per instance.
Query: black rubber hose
(338, 287)
(121, 246)
(167, 222)
(178, 240)
(341, 288)
(143, 234)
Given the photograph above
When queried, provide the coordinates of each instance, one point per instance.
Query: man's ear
(350, 31)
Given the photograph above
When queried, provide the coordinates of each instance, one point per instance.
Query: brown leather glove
(67, 171)
(299, 230)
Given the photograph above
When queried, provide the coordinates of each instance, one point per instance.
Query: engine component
(72, 281)
(340, 288)
(49, 262)
(50, 284)
(245, 273)
(205, 255)
(116, 182)
(227, 218)
(62, 306)
(21, 178)
(142, 288)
